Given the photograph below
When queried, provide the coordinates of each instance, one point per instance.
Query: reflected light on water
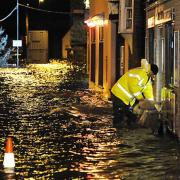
(53, 139)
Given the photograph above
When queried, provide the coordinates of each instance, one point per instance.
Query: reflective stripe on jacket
(135, 84)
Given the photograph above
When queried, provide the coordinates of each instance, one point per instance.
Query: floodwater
(62, 130)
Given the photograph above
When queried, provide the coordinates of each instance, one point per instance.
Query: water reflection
(59, 134)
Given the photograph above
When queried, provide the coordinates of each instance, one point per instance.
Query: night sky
(56, 24)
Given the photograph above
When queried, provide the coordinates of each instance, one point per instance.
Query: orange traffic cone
(9, 145)
(9, 161)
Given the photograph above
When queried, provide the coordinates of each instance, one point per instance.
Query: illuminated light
(41, 1)
(90, 23)
(87, 4)
(151, 22)
(105, 22)
(9, 161)
(97, 20)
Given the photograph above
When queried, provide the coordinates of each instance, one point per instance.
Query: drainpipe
(159, 58)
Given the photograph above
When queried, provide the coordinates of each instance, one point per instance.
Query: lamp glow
(97, 20)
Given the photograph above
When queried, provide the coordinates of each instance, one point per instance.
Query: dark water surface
(53, 139)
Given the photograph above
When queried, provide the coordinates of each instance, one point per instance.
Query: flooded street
(62, 130)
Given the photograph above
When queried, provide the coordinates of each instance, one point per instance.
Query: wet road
(61, 130)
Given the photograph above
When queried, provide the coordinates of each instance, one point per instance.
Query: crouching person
(134, 86)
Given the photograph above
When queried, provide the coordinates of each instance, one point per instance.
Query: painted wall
(97, 7)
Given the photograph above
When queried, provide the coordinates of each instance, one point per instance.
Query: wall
(139, 32)
(66, 43)
(97, 7)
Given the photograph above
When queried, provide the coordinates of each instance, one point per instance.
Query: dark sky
(37, 20)
(56, 24)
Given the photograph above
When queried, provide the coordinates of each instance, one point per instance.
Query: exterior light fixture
(97, 20)
(87, 4)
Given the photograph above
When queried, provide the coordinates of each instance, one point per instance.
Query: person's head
(153, 71)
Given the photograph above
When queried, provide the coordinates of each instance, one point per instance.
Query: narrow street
(63, 130)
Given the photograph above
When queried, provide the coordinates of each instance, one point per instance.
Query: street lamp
(17, 17)
(41, 1)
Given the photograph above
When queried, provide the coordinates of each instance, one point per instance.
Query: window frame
(123, 17)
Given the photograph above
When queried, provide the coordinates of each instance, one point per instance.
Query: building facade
(115, 41)
(74, 41)
(162, 48)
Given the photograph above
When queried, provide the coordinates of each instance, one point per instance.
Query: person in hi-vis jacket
(134, 86)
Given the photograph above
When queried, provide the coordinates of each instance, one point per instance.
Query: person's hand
(137, 110)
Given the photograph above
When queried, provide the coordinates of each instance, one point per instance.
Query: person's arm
(149, 102)
(148, 92)
(146, 97)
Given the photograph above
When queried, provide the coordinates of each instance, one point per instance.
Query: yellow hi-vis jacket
(134, 84)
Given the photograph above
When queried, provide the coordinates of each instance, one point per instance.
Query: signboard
(162, 16)
(17, 43)
(151, 22)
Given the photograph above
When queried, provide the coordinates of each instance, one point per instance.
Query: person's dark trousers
(122, 112)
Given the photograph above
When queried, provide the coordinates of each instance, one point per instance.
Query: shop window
(176, 58)
(169, 55)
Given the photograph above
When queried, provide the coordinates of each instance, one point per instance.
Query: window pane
(129, 13)
(129, 24)
(128, 3)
